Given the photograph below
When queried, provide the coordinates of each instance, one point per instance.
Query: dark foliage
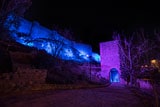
(15, 46)
(57, 72)
(102, 81)
(60, 76)
(42, 60)
(150, 73)
(5, 61)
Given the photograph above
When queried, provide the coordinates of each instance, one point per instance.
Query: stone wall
(22, 78)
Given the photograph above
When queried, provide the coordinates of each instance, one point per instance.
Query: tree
(53, 44)
(18, 7)
(58, 44)
(66, 32)
(6, 61)
(133, 49)
(152, 74)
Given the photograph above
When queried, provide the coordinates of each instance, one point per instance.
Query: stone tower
(110, 61)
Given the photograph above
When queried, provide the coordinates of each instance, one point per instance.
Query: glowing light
(68, 52)
(146, 66)
(96, 57)
(30, 44)
(49, 48)
(153, 61)
(114, 75)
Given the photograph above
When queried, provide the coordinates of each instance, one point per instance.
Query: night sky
(94, 23)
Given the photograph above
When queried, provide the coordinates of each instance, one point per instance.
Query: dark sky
(94, 23)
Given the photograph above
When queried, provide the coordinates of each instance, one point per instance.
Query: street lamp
(90, 67)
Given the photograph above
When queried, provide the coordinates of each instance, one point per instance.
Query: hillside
(22, 67)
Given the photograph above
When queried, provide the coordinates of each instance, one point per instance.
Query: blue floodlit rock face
(34, 35)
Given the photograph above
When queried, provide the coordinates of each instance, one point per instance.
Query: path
(112, 96)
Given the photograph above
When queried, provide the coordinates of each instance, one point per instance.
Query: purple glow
(144, 84)
(109, 53)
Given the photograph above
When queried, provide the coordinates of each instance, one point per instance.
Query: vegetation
(138, 50)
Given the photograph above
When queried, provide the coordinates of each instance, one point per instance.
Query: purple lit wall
(110, 61)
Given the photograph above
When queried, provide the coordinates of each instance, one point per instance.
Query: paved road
(112, 96)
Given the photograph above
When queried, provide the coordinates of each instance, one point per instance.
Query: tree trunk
(155, 94)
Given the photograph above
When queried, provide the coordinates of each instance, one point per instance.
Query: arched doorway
(114, 75)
